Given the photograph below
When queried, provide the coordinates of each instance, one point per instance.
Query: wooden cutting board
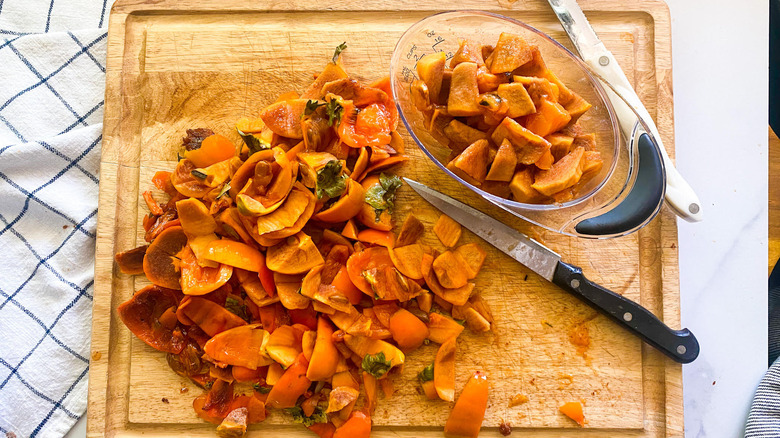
(174, 65)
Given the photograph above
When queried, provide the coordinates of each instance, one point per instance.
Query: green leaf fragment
(225, 189)
(376, 365)
(260, 388)
(334, 110)
(236, 307)
(318, 416)
(426, 374)
(381, 196)
(311, 106)
(340, 48)
(253, 142)
(331, 182)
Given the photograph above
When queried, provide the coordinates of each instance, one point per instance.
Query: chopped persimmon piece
(350, 230)
(468, 51)
(295, 255)
(473, 257)
(573, 410)
(529, 147)
(142, 314)
(462, 134)
(131, 262)
(444, 370)
(522, 187)
(517, 99)
(591, 162)
(158, 263)
(563, 174)
(447, 230)
(464, 91)
(195, 218)
(411, 230)
(377, 237)
(431, 70)
(472, 162)
(550, 117)
(449, 270)
(511, 52)
(466, 417)
(546, 161)
(488, 82)
(504, 164)
(539, 89)
(560, 145)
(441, 328)
(407, 330)
(475, 321)
(408, 260)
(577, 106)
(284, 118)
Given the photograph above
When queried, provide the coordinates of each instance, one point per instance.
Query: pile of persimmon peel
(511, 124)
(277, 279)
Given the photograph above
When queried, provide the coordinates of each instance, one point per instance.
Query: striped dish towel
(764, 418)
(52, 54)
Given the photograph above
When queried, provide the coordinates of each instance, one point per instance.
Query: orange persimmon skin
(441, 328)
(291, 385)
(200, 280)
(158, 261)
(573, 410)
(213, 149)
(244, 374)
(254, 406)
(210, 316)
(371, 125)
(408, 331)
(162, 180)
(383, 164)
(323, 430)
(344, 284)
(370, 258)
(466, 417)
(240, 346)
(350, 230)
(444, 370)
(214, 405)
(236, 254)
(370, 382)
(347, 206)
(377, 237)
(306, 317)
(325, 357)
(266, 277)
(358, 426)
(142, 312)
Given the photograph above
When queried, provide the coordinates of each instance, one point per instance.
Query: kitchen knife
(680, 345)
(679, 194)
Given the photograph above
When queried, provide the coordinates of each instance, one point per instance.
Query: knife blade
(680, 345)
(679, 194)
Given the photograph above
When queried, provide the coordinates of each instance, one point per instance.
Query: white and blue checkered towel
(52, 81)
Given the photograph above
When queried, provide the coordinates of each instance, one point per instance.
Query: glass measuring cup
(611, 197)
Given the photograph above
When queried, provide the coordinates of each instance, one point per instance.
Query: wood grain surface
(174, 65)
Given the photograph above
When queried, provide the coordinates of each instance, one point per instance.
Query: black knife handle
(680, 345)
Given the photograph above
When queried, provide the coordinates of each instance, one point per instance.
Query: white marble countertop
(721, 140)
(720, 97)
